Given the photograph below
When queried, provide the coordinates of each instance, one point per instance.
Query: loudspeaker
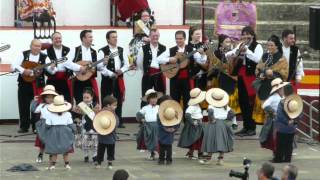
(314, 27)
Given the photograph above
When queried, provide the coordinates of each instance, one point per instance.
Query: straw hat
(149, 92)
(196, 96)
(276, 84)
(217, 97)
(293, 106)
(59, 105)
(49, 89)
(170, 113)
(104, 122)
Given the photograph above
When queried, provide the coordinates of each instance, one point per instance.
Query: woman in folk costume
(217, 135)
(59, 132)
(191, 135)
(288, 113)
(147, 137)
(47, 96)
(220, 77)
(273, 65)
(270, 106)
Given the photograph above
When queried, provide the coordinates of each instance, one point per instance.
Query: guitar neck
(112, 55)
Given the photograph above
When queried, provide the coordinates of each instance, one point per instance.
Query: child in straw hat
(270, 106)
(105, 123)
(191, 135)
(288, 112)
(59, 134)
(170, 116)
(217, 135)
(147, 137)
(46, 98)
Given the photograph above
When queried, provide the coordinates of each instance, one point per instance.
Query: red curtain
(127, 8)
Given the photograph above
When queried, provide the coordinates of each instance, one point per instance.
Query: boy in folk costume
(270, 107)
(46, 98)
(59, 131)
(191, 135)
(170, 116)
(217, 135)
(105, 123)
(288, 113)
(148, 133)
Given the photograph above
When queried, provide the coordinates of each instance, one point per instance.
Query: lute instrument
(4, 47)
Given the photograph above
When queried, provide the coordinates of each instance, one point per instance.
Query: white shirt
(42, 109)
(272, 101)
(54, 119)
(155, 59)
(84, 56)
(165, 56)
(16, 65)
(195, 111)
(286, 54)
(117, 62)
(61, 67)
(150, 112)
(220, 113)
(254, 56)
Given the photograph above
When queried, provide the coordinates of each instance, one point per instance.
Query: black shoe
(250, 133)
(22, 131)
(94, 159)
(234, 126)
(169, 162)
(161, 162)
(121, 126)
(241, 132)
(86, 159)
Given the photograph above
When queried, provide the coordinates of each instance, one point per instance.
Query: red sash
(248, 80)
(183, 74)
(122, 88)
(95, 87)
(36, 90)
(153, 71)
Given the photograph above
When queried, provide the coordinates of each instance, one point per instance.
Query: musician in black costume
(27, 90)
(291, 53)
(84, 52)
(250, 55)
(112, 82)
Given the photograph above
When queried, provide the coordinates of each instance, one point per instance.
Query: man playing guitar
(112, 74)
(84, 53)
(247, 54)
(27, 90)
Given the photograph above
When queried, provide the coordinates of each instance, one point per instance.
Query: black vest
(52, 55)
(194, 68)
(42, 60)
(111, 63)
(78, 54)
(147, 55)
(292, 62)
(251, 65)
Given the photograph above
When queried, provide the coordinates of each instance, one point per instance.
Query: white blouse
(272, 101)
(220, 113)
(42, 109)
(55, 119)
(150, 112)
(195, 111)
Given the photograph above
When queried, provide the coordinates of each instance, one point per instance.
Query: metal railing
(312, 120)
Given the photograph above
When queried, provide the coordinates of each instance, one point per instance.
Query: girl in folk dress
(191, 135)
(59, 131)
(217, 135)
(47, 96)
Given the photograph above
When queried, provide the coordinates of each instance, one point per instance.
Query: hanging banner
(27, 8)
(230, 18)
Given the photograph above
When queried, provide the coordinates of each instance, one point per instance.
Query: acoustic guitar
(91, 67)
(4, 47)
(171, 69)
(37, 68)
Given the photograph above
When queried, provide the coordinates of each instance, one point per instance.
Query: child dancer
(191, 135)
(170, 116)
(217, 135)
(59, 133)
(105, 123)
(89, 141)
(46, 97)
(288, 113)
(148, 133)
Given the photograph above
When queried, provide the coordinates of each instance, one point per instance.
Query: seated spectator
(120, 174)
(289, 172)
